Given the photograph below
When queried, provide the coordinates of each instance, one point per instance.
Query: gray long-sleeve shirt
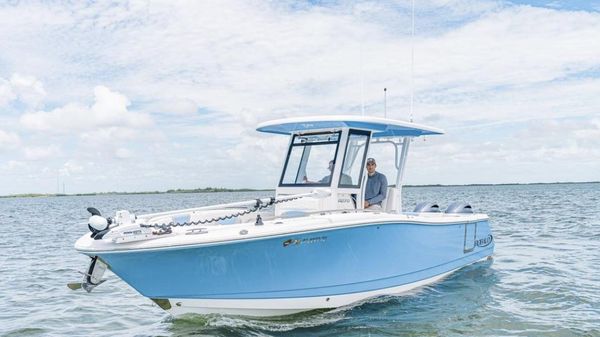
(376, 189)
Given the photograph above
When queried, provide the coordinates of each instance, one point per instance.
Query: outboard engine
(459, 207)
(427, 207)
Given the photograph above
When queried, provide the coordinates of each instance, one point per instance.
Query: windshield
(354, 161)
(311, 159)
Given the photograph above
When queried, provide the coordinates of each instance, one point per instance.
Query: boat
(312, 245)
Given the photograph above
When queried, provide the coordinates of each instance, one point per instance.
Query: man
(326, 179)
(345, 180)
(376, 189)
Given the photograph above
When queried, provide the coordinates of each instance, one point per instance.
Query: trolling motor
(98, 224)
(92, 278)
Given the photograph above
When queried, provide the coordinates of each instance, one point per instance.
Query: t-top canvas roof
(381, 127)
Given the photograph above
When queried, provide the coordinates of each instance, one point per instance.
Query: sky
(156, 95)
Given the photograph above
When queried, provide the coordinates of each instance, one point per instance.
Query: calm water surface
(544, 280)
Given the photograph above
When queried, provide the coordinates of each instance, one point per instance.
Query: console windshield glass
(310, 159)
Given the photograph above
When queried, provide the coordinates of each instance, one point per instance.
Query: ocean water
(544, 279)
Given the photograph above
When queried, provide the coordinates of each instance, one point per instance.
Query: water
(544, 280)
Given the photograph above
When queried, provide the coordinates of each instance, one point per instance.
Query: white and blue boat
(311, 246)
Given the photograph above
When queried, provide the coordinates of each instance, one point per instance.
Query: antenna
(412, 60)
(384, 102)
(362, 82)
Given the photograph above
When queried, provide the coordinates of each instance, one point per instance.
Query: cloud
(28, 89)
(514, 46)
(109, 109)
(181, 83)
(287, 59)
(182, 106)
(25, 89)
(123, 153)
(71, 167)
(9, 140)
(42, 152)
(15, 165)
(102, 137)
(6, 93)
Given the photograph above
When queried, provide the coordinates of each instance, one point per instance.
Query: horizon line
(223, 189)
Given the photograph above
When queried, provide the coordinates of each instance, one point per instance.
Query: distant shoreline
(508, 184)
(196, 190)
(220, 189)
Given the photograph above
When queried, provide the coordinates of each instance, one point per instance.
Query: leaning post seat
(390, 203)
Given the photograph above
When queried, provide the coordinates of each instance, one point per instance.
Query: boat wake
(261, 326)
(217, 324)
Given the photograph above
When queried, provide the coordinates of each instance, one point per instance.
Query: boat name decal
(485, 241)
(297, 242)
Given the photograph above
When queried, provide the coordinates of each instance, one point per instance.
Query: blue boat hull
(339, 261)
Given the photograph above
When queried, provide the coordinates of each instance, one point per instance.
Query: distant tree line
(211, 189)
(179, 190)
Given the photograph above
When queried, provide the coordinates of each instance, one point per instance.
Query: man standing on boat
(376, 189)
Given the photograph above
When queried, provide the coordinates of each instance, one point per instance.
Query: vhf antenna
(384, 102)
(362, 83)
(412, 60)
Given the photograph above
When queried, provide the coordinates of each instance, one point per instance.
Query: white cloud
(29, 90)
(69, 117)
(42, 152)
(6, 93)
(108, 136)
(510, 83)
(71, 167)
(282, 61)
(516, 46)
(182, 106)
(590, 133)
(9, 140)
(15, 165)
(123, 153)
(109, 109)
(25, 89)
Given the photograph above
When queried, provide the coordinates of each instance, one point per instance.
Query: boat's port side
(318, 248)
(280, 307)
(359, 259)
